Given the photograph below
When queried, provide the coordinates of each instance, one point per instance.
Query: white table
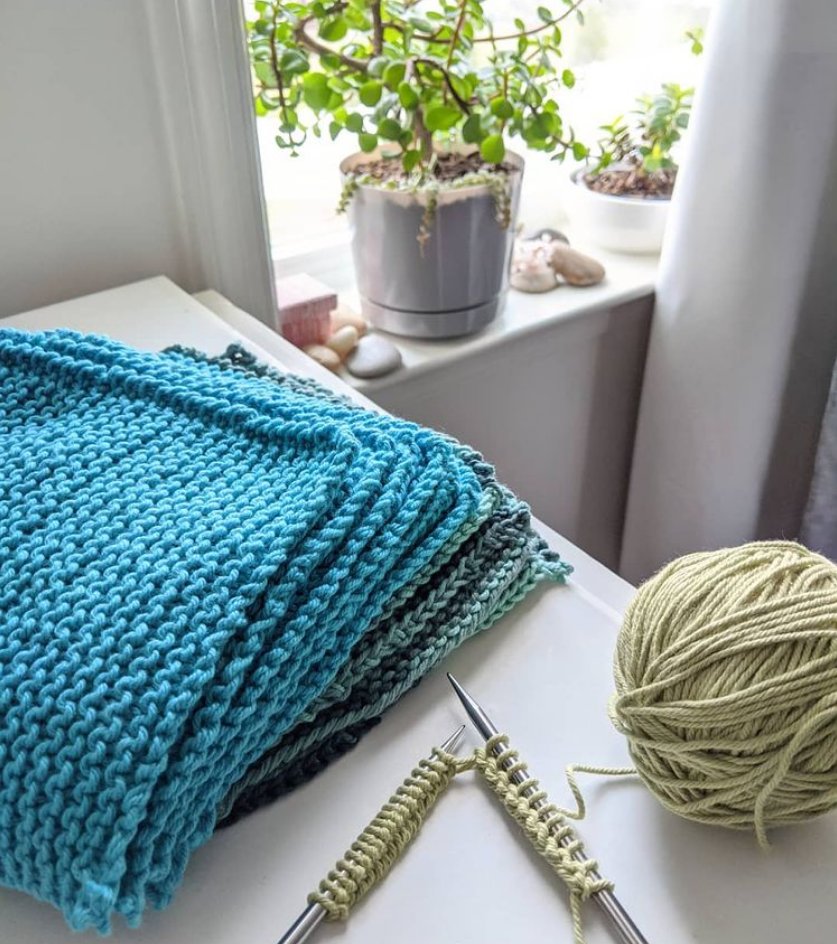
(544, 673)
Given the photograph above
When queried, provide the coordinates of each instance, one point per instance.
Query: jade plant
(408, 80)
(635, 155)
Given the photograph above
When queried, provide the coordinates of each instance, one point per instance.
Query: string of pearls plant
(426, 189)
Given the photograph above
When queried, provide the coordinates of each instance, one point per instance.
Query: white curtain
(819, 525)
(745, 328)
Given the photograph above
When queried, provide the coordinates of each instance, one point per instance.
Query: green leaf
(580, 151)
(461, 86)
(410, 159)
(368, 142)
(264, 73)
(370, 92)
(293, 62)
(334, 128)
(354, 122)
(408, 96)
(394, 74)
(492, 149)
(568, 78)
(390, 129)
(542, 127)
(441, 117)
(333, 28)
(472, 131)
(502, 108)
(421, 24)
(315, 90)
(290, 119)
(545, 14)
(376, 66)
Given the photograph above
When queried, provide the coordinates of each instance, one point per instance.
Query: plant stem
(463, 7)
(423, 136)
(304, 38)
(377, 27)
(529, 32)
(433, 64)
(274, 64)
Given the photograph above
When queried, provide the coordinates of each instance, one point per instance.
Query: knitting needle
(625, 928)
(305, 924)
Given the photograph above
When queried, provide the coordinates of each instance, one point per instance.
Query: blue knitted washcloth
(186, 560)
(487, 567)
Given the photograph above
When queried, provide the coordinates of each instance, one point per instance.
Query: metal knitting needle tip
(623, 924)
(305, 924)
(451, 744)
(474, 711)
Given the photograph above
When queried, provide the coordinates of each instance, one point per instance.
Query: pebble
(342, 316)
(324, 355)
(343, 341)
(574, 267)
(374, 356)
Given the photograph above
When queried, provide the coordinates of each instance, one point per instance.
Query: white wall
(124, 151)
(554, 411)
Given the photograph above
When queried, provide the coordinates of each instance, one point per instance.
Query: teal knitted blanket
(487, 567)
(192, 557)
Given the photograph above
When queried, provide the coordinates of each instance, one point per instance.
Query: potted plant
(620, 201)
(431, 93)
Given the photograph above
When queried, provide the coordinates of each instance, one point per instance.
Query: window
(625, 48)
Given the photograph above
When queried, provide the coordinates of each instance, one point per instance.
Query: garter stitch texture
(384, 840)
(190, 554)
(486, 568)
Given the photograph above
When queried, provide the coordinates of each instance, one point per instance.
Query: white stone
(342, 316)
(374, 356)
(343, 340)
(323, 355)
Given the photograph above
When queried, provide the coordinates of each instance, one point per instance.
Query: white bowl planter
(457, 283)
(621, 224)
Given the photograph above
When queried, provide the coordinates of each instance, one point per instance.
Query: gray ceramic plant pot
(457, 284)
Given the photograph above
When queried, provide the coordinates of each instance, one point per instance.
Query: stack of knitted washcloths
(213, 579)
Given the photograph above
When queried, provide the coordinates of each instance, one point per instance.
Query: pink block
(304, 309)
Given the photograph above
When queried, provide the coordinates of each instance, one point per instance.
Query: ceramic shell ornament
(530, 268)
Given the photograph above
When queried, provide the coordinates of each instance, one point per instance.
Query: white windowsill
(628, 278)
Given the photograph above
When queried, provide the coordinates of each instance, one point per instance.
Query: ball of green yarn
(726, 679)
